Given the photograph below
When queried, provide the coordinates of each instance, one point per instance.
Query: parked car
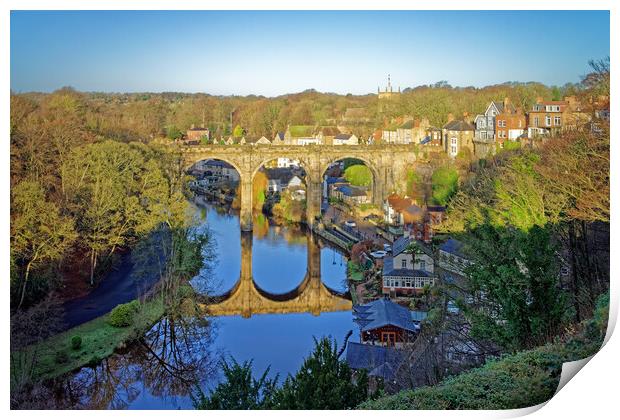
(387, 248)
(378, 254)
(350, 223)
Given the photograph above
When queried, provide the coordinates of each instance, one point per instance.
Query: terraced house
(458, 137)
(551, 117)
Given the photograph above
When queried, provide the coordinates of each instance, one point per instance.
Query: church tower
(388, 93)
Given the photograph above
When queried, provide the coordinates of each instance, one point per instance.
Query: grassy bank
(55, 356)
(521, 380)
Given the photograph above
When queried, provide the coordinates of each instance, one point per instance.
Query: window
(403, 264)
(535, 121)
(423, 265)
(483, 135)
(556, 120)
(453, 150)
(548, 121)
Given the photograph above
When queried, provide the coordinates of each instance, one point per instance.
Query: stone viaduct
(388, 164)
(246, 298)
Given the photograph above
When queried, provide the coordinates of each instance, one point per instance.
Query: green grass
(301, 130)
(99, 340)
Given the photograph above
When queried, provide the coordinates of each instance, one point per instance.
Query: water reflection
(159, 370)
(279, 254)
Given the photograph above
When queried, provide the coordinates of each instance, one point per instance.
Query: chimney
(506, 104)
(450, 117)
(539, 99)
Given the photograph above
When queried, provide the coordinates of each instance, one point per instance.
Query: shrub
(62, 357)
(76, 342)
(123, 314)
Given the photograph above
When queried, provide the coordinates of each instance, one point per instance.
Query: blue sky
(272, 53)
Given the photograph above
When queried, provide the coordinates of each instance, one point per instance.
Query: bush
(123, 314)
(520, 380)
(76, 342)
(61, 357)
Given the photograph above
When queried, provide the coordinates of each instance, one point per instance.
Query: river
(159, 371)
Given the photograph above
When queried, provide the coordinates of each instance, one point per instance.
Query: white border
(591, 395)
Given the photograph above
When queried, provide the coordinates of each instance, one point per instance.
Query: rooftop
(389, 270)
(377, 360)
(452, 246)
(351, 191)
(459, 125)
(382, 312)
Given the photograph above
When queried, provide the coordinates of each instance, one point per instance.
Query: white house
(286, 162)
(346, 139)
(305, 141)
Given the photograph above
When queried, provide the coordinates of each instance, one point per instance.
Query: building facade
(458, 137)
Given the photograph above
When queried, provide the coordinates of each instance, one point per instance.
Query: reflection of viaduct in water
(388, 164)
(246, 298)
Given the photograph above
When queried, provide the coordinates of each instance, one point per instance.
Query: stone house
(263, 140)
(350, 194)
(458, 137)
(279, 138)
(327, 134)
(197, 133)
(551, 117)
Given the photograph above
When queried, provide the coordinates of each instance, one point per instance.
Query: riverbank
(56, 356)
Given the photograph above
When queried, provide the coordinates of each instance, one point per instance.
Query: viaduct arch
(388, 163)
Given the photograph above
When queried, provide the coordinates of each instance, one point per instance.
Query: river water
(159, 371)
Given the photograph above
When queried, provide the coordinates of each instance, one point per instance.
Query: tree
(39, 233)
(259, 188)
(322, 383)
(513, 283)
(118, 192)
(359, 175)
(173, 133)
(238, 131)
(239, 391)
(445, 184)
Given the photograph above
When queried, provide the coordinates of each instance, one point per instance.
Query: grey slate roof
(452, 246)
(377, 360)
(389, 270)
(459, 125)
(351, 191)
(400, 245)
(407, 125)
(382, 312)
(343, 136)
(403, 242)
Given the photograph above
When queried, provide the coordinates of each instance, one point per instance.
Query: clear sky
(272, 53)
